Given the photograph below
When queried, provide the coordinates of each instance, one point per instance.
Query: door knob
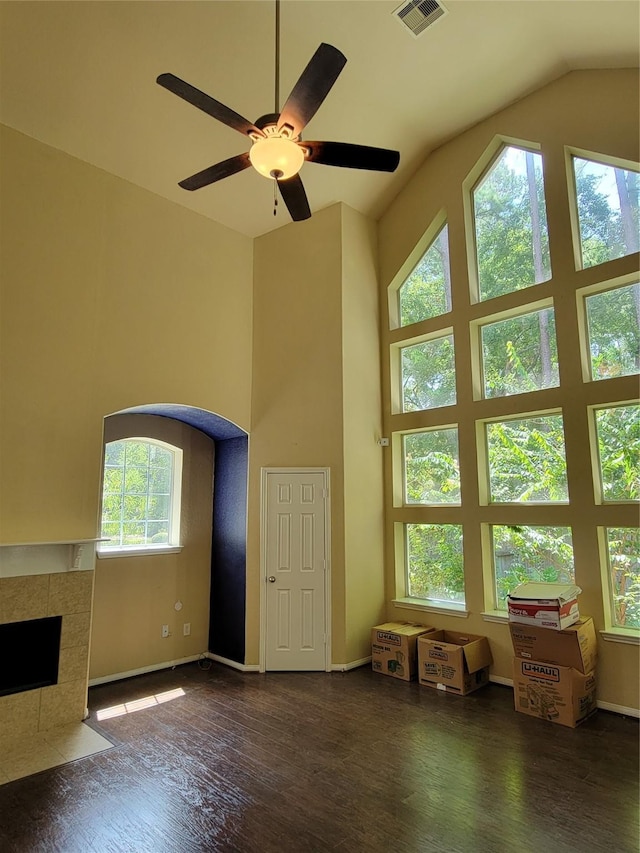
(271, 579)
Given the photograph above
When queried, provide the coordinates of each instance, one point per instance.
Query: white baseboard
(498, 679)
(354, 664)
(619, 709)
(241, 667)
(118, 676)
(605, 706)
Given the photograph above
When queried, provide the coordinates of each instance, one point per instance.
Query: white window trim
(174, 546)
(146, 551)
(430, 606)
(630, 636)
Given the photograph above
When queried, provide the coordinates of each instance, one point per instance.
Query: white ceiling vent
(417, 15)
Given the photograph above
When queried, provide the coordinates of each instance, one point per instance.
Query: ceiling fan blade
(207, 104)
(352, 156)
(295, 198)
(216, 172)
(312, 87)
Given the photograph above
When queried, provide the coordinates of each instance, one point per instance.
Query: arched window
(141, 495)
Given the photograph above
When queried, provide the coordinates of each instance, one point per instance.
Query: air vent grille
(417, 15)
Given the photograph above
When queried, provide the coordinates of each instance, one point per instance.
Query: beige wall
(362, 426)
(136, 595)
(592, 110)
(111, 297)
(297, 387)
(316, 403)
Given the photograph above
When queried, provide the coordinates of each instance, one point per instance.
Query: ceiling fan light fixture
(276, 157)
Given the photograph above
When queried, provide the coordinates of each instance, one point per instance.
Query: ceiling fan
(277, 150)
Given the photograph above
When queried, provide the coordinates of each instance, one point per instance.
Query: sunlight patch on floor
(139, 704)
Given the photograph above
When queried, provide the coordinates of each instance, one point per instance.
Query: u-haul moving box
(549, 605)
(574, 646)
(453, 661)
(393, 648)
(556, 693)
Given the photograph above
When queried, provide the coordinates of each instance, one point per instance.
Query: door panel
(295, 563)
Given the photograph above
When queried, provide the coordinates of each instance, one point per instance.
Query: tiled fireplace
(39, 581)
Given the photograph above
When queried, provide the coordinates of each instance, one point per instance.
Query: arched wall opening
(220, 493)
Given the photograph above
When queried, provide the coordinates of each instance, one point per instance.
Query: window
(522, 554)
(434, 567)
(431, 467)
(427, 291)
(613, 328)
(623, 571)
(618, 436)
(520, 354)
(527, 460)
(141, 495)
(428, 374)
(607, 205)
(522, 441)
(510, 219)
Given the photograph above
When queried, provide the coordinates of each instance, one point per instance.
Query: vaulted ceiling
(80, 76)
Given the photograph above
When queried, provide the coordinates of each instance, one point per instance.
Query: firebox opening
(29, 654)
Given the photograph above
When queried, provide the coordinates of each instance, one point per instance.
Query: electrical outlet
(186, 629)
(165, 630)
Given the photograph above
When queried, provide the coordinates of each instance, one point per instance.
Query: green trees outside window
(137, 497)
(607, 202)
(427, 291)
(623, 550)
(432, 467)
(613, 325)
(530, 553)
(520, 354)
(510, 218)
(428, 375)
(435, 562)
(527, 460)
(618, 430)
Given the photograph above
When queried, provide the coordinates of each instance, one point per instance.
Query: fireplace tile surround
(48, 579)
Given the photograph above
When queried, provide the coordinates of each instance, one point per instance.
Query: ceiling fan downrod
(277, 60)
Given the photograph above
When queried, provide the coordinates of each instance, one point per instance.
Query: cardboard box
(556, 693)
(574, 646)
(393, 648)
(453, 661)
(550, 605)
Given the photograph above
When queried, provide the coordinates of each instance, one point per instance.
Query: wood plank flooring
(307, 763)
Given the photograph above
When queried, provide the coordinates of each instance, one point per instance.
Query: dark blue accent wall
(229, 550)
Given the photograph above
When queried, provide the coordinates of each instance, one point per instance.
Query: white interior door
(295, 569)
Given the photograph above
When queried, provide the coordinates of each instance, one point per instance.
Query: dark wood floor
(341, 762)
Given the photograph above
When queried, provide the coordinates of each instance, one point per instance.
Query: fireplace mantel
(19, 559)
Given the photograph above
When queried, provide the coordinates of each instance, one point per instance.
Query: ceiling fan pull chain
(275, 196)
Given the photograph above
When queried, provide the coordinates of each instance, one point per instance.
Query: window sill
(495, 616)
(138, 552)
(621, 635)
(432, 606)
